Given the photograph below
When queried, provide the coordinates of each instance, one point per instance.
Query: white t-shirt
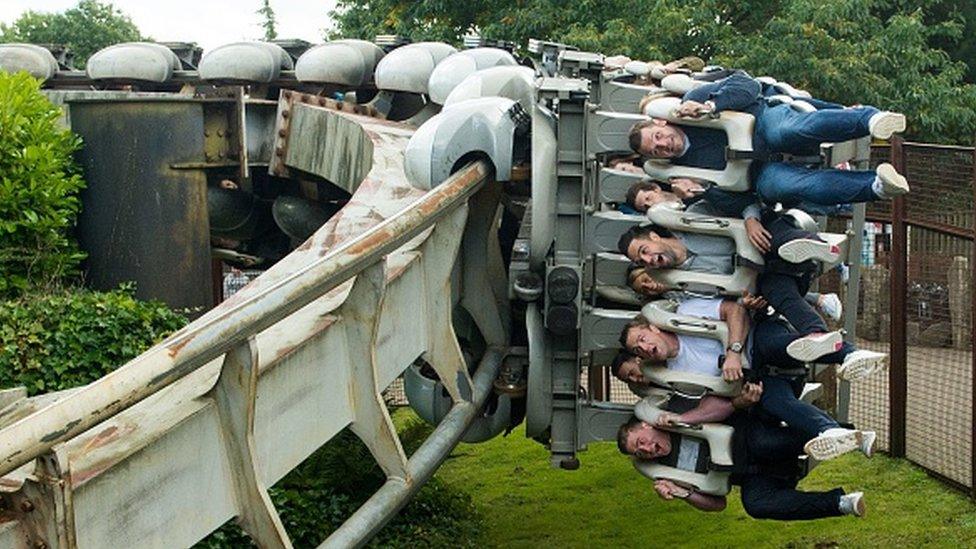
(699, 355)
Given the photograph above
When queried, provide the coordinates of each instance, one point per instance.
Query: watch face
(736, 347)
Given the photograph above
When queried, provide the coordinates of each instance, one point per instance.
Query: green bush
(39, 185)
(64, 339)
(322, 492)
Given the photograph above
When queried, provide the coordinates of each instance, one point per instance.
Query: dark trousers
(770, 491)
(785, 284)
(770, 339)
(779, 400)
(773, 497)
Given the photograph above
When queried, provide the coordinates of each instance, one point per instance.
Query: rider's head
(657, 138)
(640, 439)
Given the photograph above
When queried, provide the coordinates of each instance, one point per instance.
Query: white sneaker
(832, 443)
(811, 347)
(860, 364)
(867, 443)
(852, 504)
(885, 123)
(802, 249)
(830, 305)
(889, 183)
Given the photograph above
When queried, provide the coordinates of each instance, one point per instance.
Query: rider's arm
(735, 93)
(737, 318)
(710, 409)
(706, 502)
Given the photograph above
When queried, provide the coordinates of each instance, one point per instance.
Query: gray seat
(248, 62)
(342, 62)
(516, 83)
(133, 61)
(35, 60)
(408, 69)
(456, 67)
(715, 478)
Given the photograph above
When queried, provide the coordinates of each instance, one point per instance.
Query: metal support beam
(372, 423)
(439, 253)
(393, 495)
(235, 394)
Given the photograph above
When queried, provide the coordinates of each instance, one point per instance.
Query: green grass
(607, 503)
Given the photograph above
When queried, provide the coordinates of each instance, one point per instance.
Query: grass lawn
(607, 503)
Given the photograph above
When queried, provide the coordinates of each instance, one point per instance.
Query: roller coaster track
(170, 446)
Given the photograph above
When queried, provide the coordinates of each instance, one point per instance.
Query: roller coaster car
(494, 127)
(245, 62)
(429, 399)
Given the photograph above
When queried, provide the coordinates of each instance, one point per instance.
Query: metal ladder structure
(190, 434)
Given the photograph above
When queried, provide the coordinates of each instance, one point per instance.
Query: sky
(209, 23)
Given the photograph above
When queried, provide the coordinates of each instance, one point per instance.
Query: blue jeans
(813, 190)
(787, 130)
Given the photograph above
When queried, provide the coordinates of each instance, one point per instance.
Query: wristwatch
(734, 347)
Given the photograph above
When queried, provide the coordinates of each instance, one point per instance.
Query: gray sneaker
(852, 504)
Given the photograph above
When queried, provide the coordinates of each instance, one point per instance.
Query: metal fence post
(972, 328)
(898, 373)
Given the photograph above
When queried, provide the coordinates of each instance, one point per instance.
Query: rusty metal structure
(240, 156)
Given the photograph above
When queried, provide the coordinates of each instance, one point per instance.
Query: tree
(268, 22)
(890, 53)
(84, 29)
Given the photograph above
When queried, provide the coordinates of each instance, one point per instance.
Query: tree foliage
(268, 21)
(39, 186)
(889, 53)
(84, 29)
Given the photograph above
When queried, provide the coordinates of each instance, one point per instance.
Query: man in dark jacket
(778, 129)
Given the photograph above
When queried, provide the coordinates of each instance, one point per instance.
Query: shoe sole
(810, 348)
(798, 251)
(824, 448)
(892, 183)
(860, 368)
(860, 510)
(887, 124)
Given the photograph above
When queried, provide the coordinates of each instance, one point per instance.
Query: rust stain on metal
(176, 347)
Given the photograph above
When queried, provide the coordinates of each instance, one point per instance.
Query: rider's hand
(732, 367)
(693, 109)
(665, 419)
(751, 392)
(753, 302)
(667, 489)
(629, 168)
(758, 235)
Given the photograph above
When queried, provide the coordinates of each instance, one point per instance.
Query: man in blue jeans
(778, 129)
(772, 343)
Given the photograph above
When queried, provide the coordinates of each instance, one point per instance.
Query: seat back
(718, 437)
(738, 126)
